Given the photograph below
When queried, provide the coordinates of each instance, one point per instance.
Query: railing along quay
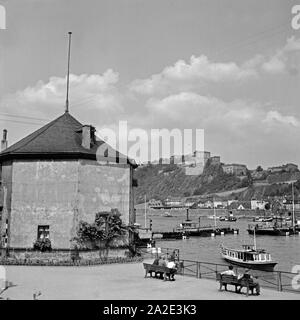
(278, 280)
(155, 252)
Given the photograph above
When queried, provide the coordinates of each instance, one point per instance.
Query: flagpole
(68, 74)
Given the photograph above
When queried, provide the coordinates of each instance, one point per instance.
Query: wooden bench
(163, 272)
(249, 284)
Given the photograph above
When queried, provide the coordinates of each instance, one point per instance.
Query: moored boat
(167, 214)
(271, 230)
(248, 257)
(227, 218)
(262, 219)
(282, 225)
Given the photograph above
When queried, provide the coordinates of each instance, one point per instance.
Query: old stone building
(53, 178)
(236, 169)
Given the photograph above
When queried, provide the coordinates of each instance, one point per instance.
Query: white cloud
(186, 76)
(274, 65)
(273, 117)
(94, 93)
(285, 59)
(236, 119)
(199, 71)
(195, 108)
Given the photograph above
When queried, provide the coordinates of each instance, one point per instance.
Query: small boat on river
(167, 214)
(249, 257)
(227, 218)
(262, 219)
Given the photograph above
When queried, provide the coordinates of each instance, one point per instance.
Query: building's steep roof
(60, 138)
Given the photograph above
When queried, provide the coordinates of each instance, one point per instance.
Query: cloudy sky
(229, 67)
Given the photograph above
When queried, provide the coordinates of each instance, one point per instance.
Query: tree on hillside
(259, 168)
(249, 178)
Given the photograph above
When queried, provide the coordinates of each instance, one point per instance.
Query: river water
(285, 250)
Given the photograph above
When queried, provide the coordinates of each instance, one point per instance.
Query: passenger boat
(188, 226)
(249, 257)
(191, 228)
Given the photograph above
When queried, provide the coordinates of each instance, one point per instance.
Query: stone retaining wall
(66, 255)
(64, 263)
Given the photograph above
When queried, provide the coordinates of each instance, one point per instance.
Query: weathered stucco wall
(43, 193)
(6, 186)
(61, 193)
(102, 188)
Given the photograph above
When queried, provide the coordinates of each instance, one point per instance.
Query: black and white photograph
(149, 152)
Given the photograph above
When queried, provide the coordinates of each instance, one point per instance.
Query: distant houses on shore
(177, 202)
(235, 169)
(289, 167)
(193, 203)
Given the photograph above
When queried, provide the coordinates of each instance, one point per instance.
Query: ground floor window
(43, 232)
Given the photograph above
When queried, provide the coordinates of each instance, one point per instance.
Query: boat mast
(145, 212)
(254, 239)
(293, 216)
(214, 212)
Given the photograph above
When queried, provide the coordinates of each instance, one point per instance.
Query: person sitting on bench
(162, 262)
(172, 265)
(229, 272)
(255, 285)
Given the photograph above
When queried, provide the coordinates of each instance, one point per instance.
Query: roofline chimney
(88, 136)
(4, 141)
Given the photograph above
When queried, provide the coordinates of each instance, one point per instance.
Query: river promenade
(119, 282)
